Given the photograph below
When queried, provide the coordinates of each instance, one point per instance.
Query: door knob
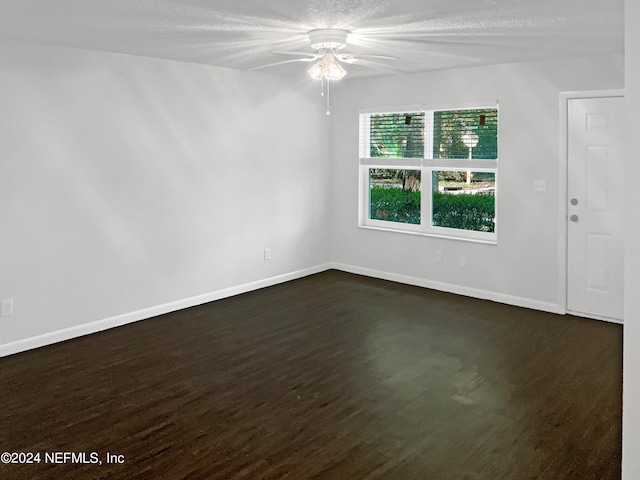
(573, 218)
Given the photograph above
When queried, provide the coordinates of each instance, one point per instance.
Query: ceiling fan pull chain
(328, 97)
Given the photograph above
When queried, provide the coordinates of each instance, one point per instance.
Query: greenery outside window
(430, 171)
(395, 195)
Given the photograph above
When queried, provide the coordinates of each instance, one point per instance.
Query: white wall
(631, 382)
(523, 267)
(127, 183)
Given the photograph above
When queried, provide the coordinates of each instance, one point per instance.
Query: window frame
(427, 167)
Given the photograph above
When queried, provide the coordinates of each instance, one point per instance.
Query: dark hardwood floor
(334, 376)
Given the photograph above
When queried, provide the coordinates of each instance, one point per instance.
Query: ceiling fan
(328, 58)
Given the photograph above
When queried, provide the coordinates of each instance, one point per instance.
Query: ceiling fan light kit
(327, 68)
(328, 41)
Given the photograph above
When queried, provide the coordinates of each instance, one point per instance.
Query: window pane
(464, 200)
(397, 135)
(461, 133)
(394, 195)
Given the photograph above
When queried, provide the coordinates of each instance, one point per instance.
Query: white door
(595, 232)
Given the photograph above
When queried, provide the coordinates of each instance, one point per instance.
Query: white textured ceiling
(423, 34)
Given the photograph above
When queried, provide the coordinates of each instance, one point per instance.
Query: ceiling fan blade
(283, 62)
(348, 58)
(370, 63)
(314, 56)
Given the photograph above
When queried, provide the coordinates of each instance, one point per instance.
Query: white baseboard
(596, 317)
(117, 321)
(450, 288)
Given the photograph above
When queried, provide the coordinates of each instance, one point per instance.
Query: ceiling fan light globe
(316, 71)
(333, 71)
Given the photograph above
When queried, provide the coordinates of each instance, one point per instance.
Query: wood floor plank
(334, 376)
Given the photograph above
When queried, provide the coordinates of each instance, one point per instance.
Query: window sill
(429, 234)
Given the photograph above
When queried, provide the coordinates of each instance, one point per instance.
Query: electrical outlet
(267, 254)
(539, 186)
(438, 256)
(6, 307)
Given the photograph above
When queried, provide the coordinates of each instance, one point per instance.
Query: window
(432, 172)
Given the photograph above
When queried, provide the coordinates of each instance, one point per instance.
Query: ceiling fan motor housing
(326, 38)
